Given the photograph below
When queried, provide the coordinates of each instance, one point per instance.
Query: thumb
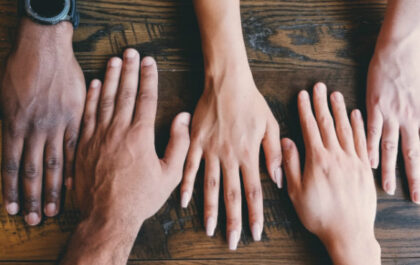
(178, 145)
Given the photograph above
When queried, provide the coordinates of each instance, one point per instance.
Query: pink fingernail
(415, 197)
(256, 232)
(185, 199)
(32, 219)
(389, 188)
(210, 226)
(233, 240)
(278, 176)
(50, 209)
(12, 208)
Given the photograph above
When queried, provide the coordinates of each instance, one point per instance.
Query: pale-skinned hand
(231, 121)
(335, 195)
(393, 96)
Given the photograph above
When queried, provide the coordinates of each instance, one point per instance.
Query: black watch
(49, 12)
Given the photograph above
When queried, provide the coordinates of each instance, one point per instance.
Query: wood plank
(291, 45)
(281, 35)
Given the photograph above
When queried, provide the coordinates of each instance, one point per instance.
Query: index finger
(310, 130)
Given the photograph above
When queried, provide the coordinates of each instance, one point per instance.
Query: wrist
(353, 249)
(400, 23)
(99, 238)
(55, 38)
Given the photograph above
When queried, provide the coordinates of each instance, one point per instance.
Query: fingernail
(32, 219)
(210, 226)
(50, 209)
(69, 183)
(338, 96)
(320, 87)
(130, 53)
(185, 119)
(147, 61)
(12, 208)
(185, 199)
(256, 232)
(233, 240)
(357, 114)
(95, 83)
(115, 62)
(277, 175)
(389, 188)
(303, 94)
(416, 198)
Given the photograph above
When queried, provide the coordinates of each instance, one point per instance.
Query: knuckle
(254, 193)
(413, 154)
(32, 203)
(107, 103)
(233, 196)
(30, 171)
(233, 222)
(70, 140)
(148, 72)
(14, 130)
(53, 195)
(148, 96)
(211, 183)
(128, 94)
(10, 167)
(389, 145)
(372, 131)
(325, 121)
(53, 163)
(12, 194)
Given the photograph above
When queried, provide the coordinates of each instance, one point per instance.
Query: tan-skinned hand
(335, 195)
(120, 180)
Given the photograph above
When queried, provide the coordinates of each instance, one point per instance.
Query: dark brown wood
(291, 45)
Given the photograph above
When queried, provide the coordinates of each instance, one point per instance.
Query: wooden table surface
(291, 45)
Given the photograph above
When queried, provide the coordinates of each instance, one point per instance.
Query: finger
(342, 123)
(11, 154)
(254, 196)
(147, 99)
(291, 165)
(127, 92)
(109, 91)
(91, 108)
(310, 130)
(193, 163)
(179, 142)
(70, 142)
(323, 116)
(359, 135)
(232, 194)
(389, 155)
(411, 153)
(32, 179)
(272, 150)
(53, 168)
(211, 193)
(374, 129)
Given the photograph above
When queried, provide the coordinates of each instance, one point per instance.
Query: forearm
(221, 34)
(102, 241)
(354, 251)
(401, 21)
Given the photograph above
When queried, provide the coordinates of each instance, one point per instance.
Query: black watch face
(48, 8)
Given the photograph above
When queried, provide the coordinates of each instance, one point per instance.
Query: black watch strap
(72, 16)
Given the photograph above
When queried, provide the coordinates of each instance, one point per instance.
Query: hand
(231, 121)
(120, 181)
(334, 200)
(42, 97)
(393, 96)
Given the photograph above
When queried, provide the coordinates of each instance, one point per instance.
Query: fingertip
(148, 61)
(303, 95)
(51, 209)
(69, 183)
(12, 208)
(184, 118)
(320, 87)
(95, 83)
(185, 199)
(115, 62)
(130, 53)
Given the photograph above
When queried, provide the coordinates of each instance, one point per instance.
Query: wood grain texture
(291, 45)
